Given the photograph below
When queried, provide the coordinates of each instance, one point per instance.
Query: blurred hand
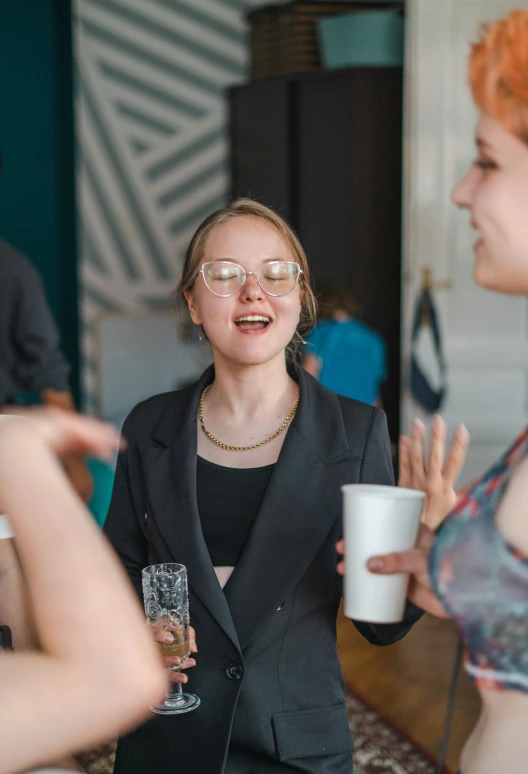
(414, 562)
(66, 433)
(164, 636)
(438, 475)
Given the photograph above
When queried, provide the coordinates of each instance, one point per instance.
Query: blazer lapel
(297, 512)
(170, 475)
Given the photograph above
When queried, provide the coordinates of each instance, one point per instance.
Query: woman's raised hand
(433, 473)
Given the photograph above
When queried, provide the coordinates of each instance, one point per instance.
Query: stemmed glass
(166, 599)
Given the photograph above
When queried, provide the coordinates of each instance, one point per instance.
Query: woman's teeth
(252, 322)
(253, 318)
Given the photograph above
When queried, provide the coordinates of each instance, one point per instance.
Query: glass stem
(175, 690)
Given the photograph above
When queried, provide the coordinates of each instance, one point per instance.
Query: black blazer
(268, 674)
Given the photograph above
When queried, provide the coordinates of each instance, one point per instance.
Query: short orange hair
(498, 72)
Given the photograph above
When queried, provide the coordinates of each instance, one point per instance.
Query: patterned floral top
(482, 581)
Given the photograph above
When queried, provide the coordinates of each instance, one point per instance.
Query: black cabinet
(325, 150)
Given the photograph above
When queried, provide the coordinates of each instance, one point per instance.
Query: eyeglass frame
(247, 274)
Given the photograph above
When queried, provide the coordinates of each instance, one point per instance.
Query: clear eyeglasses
(276, 278)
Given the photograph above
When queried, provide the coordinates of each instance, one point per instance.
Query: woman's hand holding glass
(166, 600)
(166, 641)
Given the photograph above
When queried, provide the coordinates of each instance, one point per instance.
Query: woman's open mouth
(253, 323)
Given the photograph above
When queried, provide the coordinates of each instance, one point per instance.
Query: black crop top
(229, 500)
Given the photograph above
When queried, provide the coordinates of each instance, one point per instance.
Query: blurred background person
(342, 352)
(31, 360)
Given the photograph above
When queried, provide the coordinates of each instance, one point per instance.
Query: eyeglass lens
(277, 278)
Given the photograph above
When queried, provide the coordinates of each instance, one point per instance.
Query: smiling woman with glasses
(238, 478)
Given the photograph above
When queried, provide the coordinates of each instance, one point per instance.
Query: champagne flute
(166, 599)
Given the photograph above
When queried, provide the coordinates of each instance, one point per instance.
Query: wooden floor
(409, 682)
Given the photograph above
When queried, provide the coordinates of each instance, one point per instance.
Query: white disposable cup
(377, 520)
(5, 527)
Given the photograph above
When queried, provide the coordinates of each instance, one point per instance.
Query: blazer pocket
(312, 733)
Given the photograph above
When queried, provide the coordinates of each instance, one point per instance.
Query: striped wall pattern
(151, 77)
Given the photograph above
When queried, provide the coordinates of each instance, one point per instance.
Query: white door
(485, 334)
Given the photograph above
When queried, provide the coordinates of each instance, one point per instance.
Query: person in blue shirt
(342, 352)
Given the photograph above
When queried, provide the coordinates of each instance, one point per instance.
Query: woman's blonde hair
(249, 207)
(498, 72)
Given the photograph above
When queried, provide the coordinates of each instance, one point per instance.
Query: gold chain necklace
(242, 448)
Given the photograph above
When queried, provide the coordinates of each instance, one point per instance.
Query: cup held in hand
(377, 520)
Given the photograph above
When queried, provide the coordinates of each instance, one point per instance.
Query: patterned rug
(378, 748)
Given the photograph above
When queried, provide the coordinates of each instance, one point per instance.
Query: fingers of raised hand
(417, 454)
(457, 454)
(405, 475)
(437, 448)
(438, 474)
(415, 470)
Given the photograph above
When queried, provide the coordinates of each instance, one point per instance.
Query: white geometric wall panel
(151, 78)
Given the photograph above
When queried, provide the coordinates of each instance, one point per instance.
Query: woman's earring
(200, 337)
(300, 337)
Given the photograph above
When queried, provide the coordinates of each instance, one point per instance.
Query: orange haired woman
(478, 564)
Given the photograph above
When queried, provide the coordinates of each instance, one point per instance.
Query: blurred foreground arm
(97, 671)
(15, 605)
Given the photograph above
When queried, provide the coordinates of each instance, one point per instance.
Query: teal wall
(37, 186)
